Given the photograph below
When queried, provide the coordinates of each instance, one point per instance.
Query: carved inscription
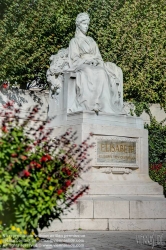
(112, 151)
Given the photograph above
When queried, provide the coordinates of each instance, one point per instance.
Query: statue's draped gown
(98, 88)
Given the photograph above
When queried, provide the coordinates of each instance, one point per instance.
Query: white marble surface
(118, 213)
(137, 224)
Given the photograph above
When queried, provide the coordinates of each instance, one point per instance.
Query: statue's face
(83, 26)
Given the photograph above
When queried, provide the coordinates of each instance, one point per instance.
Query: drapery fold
(98, 88)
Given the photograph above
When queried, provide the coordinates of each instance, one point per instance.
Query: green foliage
(37, 175)
(140, 107)
(157, 173)
(156, 134)
(129, 33)
(4, 4)
(157, 140)
(157, 145)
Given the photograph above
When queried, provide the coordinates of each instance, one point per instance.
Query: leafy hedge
(157, 141)
(128, 32)
(157, 151)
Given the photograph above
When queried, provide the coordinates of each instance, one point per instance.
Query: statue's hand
(92, 62)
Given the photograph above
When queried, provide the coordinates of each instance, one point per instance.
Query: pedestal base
(116, 213)
(121, 195)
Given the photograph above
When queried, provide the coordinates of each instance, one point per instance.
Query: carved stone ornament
(55, 74)
(115, 170)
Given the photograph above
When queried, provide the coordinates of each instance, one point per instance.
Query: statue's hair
(82, 17)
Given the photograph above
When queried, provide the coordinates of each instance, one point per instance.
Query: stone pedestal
(122, 196)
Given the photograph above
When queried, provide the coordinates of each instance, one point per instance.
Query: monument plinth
(86, 95)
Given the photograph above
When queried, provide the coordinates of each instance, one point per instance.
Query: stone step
(114, 213)
(126, 189)
(107, 225)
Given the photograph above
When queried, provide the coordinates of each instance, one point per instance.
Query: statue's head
(82, 22)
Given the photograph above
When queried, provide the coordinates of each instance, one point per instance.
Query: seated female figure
(99, 85)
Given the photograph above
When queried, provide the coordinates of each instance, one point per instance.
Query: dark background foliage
(157, 141)
(129, 33)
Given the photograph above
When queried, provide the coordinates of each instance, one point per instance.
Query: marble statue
(86, 95)
(98, 84)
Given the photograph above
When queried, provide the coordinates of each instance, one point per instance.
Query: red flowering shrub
(37, 174)
(5, 85)
(68, 183)
(60, 191)
(26, 173)
(45, 158)
(4, 129)
(157, 173)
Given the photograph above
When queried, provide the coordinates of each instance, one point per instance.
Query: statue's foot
(96, 108)
(96, 111)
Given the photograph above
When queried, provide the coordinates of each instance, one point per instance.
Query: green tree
(129, 33)
(4, 4)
